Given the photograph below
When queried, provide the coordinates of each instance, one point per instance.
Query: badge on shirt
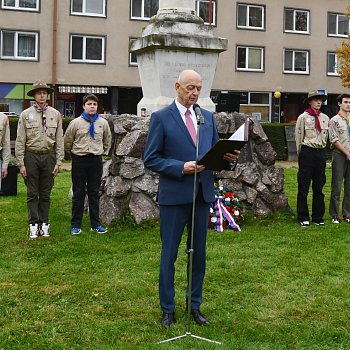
(31, 117)
(310, 120)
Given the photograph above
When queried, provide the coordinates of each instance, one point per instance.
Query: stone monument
(174, 40)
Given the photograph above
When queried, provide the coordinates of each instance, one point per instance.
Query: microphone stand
(200, 120)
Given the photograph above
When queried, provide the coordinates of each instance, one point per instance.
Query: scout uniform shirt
(339, 131)
(306, 133)
(39, 134)
(78, 140)
(5, 146)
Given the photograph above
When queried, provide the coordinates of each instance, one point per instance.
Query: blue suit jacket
(169, 145)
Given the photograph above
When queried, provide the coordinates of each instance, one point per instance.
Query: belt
(39, 152)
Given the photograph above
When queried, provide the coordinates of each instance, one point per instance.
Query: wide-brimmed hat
(315, 93)
(38, 85)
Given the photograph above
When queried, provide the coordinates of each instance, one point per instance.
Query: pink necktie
(190, 126)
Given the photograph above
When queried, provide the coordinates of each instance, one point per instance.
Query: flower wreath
(225, 211)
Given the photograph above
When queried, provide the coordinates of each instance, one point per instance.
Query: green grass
(272, 286)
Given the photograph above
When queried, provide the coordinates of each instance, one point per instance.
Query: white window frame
(247, 69)
(131, 63)
(19, 8)
(15, 56)
(198, 2)
(293, 71)
(294, 30)
(335, 73)
(84, 13)
(337, 27)
(142, 11)
(84, 60)
(247, 26)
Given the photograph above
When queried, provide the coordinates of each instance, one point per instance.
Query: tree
(343, 54)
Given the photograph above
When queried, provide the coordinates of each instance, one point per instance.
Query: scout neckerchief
(315, 114)
(43, 116)
(91, 120)
(346, 118)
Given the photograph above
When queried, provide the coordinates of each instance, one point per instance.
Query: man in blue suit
(171, 151)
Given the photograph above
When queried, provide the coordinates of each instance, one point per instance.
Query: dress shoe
(168, 319)
(199, 317)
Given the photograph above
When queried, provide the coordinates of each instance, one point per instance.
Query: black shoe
(168, 319)
(199, 317)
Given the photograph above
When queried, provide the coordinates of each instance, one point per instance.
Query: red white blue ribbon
(221, 213)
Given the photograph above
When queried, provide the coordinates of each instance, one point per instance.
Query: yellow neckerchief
(346, 118)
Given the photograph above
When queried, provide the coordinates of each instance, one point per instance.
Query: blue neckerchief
(91, 121)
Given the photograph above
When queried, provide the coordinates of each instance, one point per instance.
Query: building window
(23, 5)
(250, 16)
(19, 45)
(338, 25)
(132, 56)
(250, 58)
(87, 49)
(296, 21)
(332, 64)
(203, 10)
(296, 61)
(88, 7)
(144, 9)
(257, 105)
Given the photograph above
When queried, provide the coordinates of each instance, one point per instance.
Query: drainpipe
(54, 53)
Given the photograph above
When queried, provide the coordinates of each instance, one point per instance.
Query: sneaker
(304, 223)
(346, 218)
(45, 230)
(75, 231)
(335, 220)
(33, 231)
(99, 229)
(320, 223)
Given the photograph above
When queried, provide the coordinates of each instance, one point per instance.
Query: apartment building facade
(277, 51)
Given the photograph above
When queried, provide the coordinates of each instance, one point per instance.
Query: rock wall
(128, 185)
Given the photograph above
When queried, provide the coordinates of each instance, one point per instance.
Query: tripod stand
(188, 333)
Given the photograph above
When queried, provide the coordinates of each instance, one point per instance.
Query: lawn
(272, 286)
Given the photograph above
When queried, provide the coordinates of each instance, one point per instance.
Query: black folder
(214, 158)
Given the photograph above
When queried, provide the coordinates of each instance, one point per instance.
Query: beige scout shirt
(31, 135)
(338, 131)
(5, 143)
(78, 140)
(306, 133)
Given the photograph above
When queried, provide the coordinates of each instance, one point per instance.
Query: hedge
(274, 131)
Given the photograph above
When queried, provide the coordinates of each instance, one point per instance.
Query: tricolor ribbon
(221, 213)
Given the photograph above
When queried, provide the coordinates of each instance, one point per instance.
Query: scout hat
(38, 85)
(315, 93)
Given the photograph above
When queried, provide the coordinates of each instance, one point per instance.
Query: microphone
(197, 111)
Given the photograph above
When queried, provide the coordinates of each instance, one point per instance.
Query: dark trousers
(39, 183)
(340, 174)
(312, 167)
(86, 178)
(173, 220)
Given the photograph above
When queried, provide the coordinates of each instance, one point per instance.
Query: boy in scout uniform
(87, 138)
(5, 147)
(311, 133)
(39, 150)
(339, 136)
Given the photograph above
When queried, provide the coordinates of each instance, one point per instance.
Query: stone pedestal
(175, 39)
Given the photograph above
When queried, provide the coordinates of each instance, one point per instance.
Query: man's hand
(191, 167)
(232, 157)
(3, 173)
(23, 171)
(55, 170)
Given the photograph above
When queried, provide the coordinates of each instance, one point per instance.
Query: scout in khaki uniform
(87, 138)
(39, 150)
(339, 136)
(5, 147)
(311, 133)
